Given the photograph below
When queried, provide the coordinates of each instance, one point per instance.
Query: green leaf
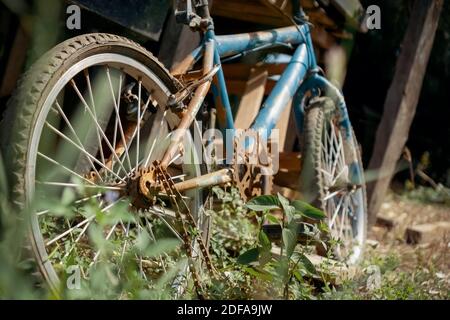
(264, 241)
(298, 275)
(308, 210)
(273, 219)
(249, 256)
(288, 209)
(260, 275)
(160, 247)
(289, 241)
(307, 264)
(263, 203)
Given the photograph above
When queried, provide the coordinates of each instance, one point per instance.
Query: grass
(383, 277)
(391, 271)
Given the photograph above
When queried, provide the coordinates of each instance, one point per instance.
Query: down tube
(282, 93)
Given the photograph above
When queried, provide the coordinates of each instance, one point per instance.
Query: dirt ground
(427, 265)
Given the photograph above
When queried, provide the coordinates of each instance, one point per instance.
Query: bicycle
(100, 111)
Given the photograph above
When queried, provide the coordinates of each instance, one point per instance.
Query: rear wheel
(85, 120)
(332, 177)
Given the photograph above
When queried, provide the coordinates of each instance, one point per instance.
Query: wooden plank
(142, 16)
(291, 194)
(178, 41)
(252, 98)
(322, 38)
(288, 173)
(402, 99)
(290, 162)
(386, 222)
(263, 12)
(238, 87)
(249, 10)
(287, 180)
(425, 233)
(336, 61)
(287, 129)
(352, 10)
(241, 71)
(177, 44)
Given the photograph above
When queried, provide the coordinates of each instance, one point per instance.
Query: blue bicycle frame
(300, 76)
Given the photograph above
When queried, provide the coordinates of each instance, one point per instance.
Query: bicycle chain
(176, 198)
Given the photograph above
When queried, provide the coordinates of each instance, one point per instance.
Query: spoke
(65, 168)
(178, 156)
(156, 133)
(332, 195)
(136, 131)
(113, 151)
(150, 154)
(161, 216)
(88, 198)
(327, 176)
(65, 233)
(62, 135)
(82, 223)
(94, 109)
(116, 125)
(138, 127)
(181, 176)
(344, 215)
(150, 230)
(338, 153)
(75, 185)
(343, 171)
(40, 213)
(106, 238)
(116, 107)
(140, 257)
(77, 239)
(66, 120)
(127, 231)
(336, 212)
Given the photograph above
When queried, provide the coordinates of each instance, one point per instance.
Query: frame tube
(283, 92)
(234, 44)
(193, 108)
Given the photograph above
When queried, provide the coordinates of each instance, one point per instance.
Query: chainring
(249, 173)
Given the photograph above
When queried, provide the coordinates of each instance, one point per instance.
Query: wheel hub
(144, 187)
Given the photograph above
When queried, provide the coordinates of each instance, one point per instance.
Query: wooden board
(287, 131)
(252, 98)
(429, 232)
(402, 99)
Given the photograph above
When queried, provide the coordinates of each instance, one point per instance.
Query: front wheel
(333, 177)
(85, 122)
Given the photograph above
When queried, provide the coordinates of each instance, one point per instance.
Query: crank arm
(208, 180)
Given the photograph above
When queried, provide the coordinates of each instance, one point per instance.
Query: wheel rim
(343, 197)
(110, 169)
